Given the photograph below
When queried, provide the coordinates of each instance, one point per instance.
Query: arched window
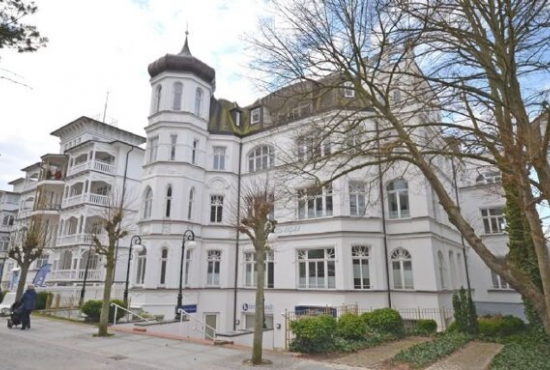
(66, 260)
(398, 198)
(198, 101)
(261, 158)
(168, 201)
(158, 97)
(442, 270)
(141, 262)
(177, 90)
(163, 264)
(402, 269)
(191, 201)
(148, 203)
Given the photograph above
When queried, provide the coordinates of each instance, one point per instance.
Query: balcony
(99, 166)
(78, 275)
(97, 199)
(74, 239)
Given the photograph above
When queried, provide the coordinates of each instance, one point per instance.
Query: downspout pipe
(237, 238)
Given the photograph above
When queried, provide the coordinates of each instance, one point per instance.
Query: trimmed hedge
(42, 299)
(426, 326)
(314, 334)
(92, 309)
(351, 326)
(500, 326)
(423, 354)
(384, 320)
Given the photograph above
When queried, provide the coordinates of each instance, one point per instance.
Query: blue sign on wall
(189, 308)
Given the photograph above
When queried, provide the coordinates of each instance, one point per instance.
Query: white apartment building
(9, 203)
(71, 190)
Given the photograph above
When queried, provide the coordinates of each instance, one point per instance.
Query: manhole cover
(118, 357)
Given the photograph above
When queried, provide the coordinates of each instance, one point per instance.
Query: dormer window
(349, 92)
(238, 118)
(255, 116)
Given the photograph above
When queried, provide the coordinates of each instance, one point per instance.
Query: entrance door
(210, 319)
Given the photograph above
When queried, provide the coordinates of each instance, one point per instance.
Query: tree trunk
(22, 280)
(104, 318)
(257, 344)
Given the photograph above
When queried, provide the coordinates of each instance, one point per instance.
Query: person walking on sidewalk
(28, 303)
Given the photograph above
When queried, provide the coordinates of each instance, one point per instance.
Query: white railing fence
(194, 325)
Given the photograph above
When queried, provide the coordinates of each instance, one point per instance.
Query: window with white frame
(158, 98)
(401, 262)
(489, 177)
(163, 265)
(315, 202)
(493, 220)
(198, 102)
(216, 208)
(360, 255)
(317, 268)
(178, 91)
(261, 158)
(141, 263)
(255, 116)
(442, 270)
(398, 199)
(42, 260)
(499, 282)
(168, 209)
(4, 242)
(349, 91)
(188, 264)
(357, 198)
(213, 259)
(313, 148)
(219, 158)
(173, 145)
(250, 273)
(153, 149)
(190, 205)
(148, 203)
(194, 151)
(8, 220)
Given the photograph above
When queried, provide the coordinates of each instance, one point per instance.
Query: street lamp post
(85, 281)
(188, 235)
(135, 241)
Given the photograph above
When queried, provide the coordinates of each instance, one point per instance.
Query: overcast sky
(104, 46)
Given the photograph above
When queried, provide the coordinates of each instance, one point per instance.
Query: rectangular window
(316, 268)
(153, 148)
(255, 116)
(357, 202)
(213, 268)
(216, 208)
(194, 151)
(498, 282)
(173, 143)
(250, 269)
(493, 220)
(188, 261)
(315, 202)
(349, 92)
(360, 255)
(219, 158)
(313, 148)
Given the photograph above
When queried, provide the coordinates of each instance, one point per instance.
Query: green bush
(426, 326)
(525, 351)
(465, 313)
(423, 354)
(313, 334)
(499, 326)
(42, 299)
(92, 309)
(384, 320)
(350, 326)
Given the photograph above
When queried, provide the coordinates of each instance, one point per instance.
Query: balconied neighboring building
(9, 202)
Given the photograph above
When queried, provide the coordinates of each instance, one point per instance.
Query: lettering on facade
(288, 229)
(251, 307)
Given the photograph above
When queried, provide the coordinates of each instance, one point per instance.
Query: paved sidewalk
(473, 356)
(57, 344)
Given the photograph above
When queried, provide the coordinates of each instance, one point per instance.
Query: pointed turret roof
(185, 50)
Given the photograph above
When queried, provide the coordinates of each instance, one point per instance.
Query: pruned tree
(256, 221)
(419, 73)
(114, 227)
(28, 243)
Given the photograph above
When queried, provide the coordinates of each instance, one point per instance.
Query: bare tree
(256, 221)
(418, 73)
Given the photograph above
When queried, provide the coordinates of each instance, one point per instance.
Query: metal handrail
(182, 312)
(116, 306)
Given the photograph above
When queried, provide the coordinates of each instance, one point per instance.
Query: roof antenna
(105, 109)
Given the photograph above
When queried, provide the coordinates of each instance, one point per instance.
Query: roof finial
(185, 51)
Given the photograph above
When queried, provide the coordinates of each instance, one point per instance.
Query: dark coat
(29, 299)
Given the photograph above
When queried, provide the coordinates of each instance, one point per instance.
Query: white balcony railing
(101, 200)
(92, 165)
(76, 275)
(74, 239)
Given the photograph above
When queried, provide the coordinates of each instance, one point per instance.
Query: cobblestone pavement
(371, 357)
(473, 356)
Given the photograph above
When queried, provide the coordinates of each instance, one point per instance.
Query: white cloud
(99, 46)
